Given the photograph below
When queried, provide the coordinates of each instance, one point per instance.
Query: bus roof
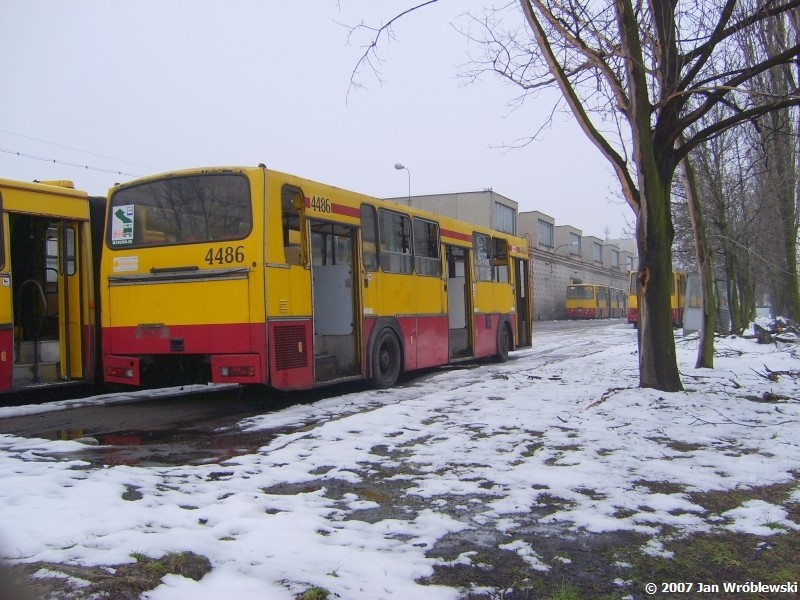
(44, 198)
(517, 245)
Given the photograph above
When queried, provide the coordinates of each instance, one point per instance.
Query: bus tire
(503, 343)
(386, 360)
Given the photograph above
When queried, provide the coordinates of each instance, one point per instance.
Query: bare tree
(705, 267)
(636, 76)
(748, 182)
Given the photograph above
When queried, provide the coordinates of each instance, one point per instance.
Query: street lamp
(401, 167)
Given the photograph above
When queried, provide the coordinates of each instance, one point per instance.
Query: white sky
(472, 449)
(148, 86)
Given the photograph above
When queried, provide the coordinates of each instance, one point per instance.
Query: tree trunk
(705, 351)
(737, 325)
(658, 363)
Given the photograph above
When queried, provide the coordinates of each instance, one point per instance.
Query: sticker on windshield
(122, 225)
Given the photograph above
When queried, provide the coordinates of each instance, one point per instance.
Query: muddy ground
(573, 564)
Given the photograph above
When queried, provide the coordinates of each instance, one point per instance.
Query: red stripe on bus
(464, 237)
(338, 209)
(348, 211)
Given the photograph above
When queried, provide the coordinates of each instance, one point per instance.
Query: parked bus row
(677, 298)
(594, 301)
(246, 275)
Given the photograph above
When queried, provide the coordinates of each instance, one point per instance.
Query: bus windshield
(580, 292)
(180, 210)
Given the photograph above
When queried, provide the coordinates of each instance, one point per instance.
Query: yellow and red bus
(588, 301)
(677, 298)
(252, 276)
(594, 301)
(48, 303)
(618, 303)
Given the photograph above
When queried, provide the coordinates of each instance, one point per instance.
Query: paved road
(192, 427)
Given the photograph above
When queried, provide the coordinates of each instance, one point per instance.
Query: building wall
(473, 207)
(552, 273)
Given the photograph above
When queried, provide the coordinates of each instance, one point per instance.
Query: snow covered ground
(468, 447)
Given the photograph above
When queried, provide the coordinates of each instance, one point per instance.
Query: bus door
(459, 301)
(6, 308)
(523, 299)
(333, 290)
(45, 287)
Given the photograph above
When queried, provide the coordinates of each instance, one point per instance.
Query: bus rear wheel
(503, 343)
(386, 360)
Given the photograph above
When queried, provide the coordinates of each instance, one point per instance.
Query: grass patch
(129, 581)
(715, 558)
(314, 593)
(120, 582)
(722, 501)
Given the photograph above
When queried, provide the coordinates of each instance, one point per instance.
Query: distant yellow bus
(594, 301)
(48, 303)
(618, 301)
(252, 276)
(677, 298)
(587, 301)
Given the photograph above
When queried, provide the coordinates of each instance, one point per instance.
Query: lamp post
(401, 167)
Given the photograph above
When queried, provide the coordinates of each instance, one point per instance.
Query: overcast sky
(136, 88)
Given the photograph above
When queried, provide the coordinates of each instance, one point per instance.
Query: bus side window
(395, 232)
(483, 256)
(2, 235)
(426, 248)
(500, 260)
(369, 237)
(291, 202)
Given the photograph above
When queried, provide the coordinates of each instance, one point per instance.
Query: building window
(630, 263)
(615, 260)
(597, 253)
(504, 218)
(545, 234)
(574, 244)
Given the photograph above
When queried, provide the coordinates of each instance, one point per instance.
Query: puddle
(161, 448)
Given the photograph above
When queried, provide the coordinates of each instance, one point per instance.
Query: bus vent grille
(291, 350)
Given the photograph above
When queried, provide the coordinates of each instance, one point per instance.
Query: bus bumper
(236, 368)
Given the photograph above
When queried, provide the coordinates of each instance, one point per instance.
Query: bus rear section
(48, 303)
(633, 299)
(179, 274)
(677, 298)
(251, 276)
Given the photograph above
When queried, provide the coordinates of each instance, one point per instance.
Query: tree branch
(570, 96)
(370, 53)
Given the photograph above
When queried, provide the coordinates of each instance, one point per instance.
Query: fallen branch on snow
(727, 421)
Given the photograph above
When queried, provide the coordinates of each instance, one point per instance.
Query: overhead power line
(68, 164)
(35, 139)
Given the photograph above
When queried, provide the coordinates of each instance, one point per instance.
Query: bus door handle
(155, 270)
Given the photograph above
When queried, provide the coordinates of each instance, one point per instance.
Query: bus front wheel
(386, 360)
